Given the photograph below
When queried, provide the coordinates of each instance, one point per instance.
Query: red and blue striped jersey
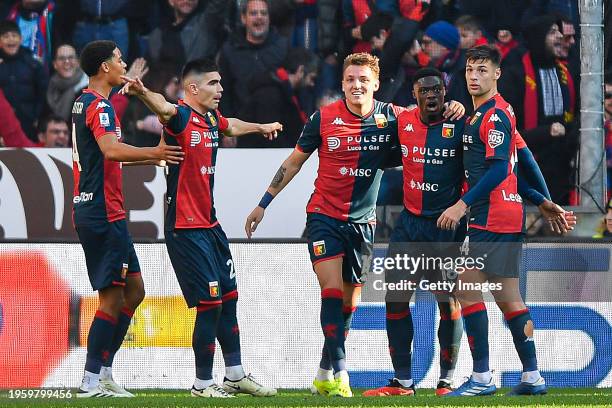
(432, 163)
(98, 191)
(353, 150)
(490, 134)
(190, 184)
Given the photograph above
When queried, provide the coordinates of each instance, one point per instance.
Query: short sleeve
(496, 134)
(310, 139)
(179, 121)
(222, 121)
(100, 118)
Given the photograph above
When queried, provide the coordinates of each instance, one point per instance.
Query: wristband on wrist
(266, 200)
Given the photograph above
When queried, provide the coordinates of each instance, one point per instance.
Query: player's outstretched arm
(154, 101)
(286, 172)
(114, 150)
(559, 220)
(239, 127)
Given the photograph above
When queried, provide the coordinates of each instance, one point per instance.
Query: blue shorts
(330, 238)
(415, 228)
(109, 253)
(203, 264)
(503, 252)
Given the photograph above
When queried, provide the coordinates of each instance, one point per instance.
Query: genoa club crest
(213, 289)
(318, 248)
(381, 120)
(448, 130)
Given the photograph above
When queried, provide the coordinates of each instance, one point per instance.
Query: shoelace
(250, 378)
(220, 390)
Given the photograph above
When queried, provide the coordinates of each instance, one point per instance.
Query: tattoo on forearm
(278, 177)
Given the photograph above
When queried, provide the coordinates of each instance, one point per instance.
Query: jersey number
(230, 263)
(75, 152)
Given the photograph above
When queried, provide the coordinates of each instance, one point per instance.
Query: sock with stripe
(450, 331)
(228, 334)
(400, 331)
(476, 324)
(325, 368)
(332, 324)
(99, 343)
(123, 324)
(521, 327)
(203, 341)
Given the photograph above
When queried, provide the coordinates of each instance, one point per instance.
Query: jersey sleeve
(520, 142)
(179, 121)
(100, 118)
(222, 120)
(496, 134)
(310, 139)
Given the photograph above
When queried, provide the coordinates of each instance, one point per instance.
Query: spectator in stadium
(508, 46)
(490, 13)
(273, 96)
(66, 83)
(538, 8)
(330, 43)
(11, 133)
(102, 20)
(469, 32)
(543, 93)
(569, 53)
(193, 32)
(35, 20)
(608, 127)
(248, 52)
(22, 78)
(53, 132)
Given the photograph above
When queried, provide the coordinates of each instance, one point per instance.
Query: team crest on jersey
(448, 130)
(381, 120)
(318, 248)
(475, 118)
(212, 119)
(213, 288)
(124, 271)
(495, 138)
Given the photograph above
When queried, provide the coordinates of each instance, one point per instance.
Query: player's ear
(376, 85)
(497, 73)
(105, 66)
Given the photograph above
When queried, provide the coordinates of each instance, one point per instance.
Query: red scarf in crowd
(530, 105)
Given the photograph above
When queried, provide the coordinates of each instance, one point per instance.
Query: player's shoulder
(335, 108)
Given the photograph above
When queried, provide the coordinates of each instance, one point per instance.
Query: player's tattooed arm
(278, 177)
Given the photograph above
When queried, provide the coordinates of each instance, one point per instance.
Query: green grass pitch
(557, 397)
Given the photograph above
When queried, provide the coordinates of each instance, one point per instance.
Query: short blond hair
(362, 59)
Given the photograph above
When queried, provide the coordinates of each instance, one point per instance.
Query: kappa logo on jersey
(104, 120)
(333, 143)
(338, 121)
(196, 138)
(102, 104)
(409, 128)
(495, 138)
(318, 248)
(448, 130)
(475, 118)
(494, 118)
(213, 288)
(212, 119)
(195, 120)
(510, 110)
(405, 150)
(381, 120)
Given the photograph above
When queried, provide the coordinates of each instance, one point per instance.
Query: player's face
(481, 76)
(359, 84)
(206, 89)
(554, 41)
(10, 42)
(429, 93)
(65, 62)
(256, 19)
(115, 67)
